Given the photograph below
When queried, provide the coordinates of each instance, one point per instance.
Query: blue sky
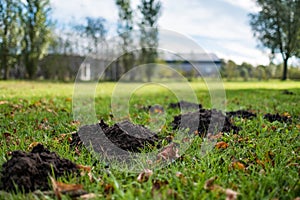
(218, 26)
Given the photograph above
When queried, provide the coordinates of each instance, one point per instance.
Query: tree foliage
(37, 33)
(277, 27)
(150, 11)
(10, 32)
(94, 31)
(125, 27)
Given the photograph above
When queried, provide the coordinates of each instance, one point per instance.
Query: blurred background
(245, 39)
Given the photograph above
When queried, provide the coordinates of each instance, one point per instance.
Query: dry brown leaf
(144, 176)
(221, 145)
(84, 168)
(260, 162)
(3, 102)
(179, 175)
(108, 188)
(286, 114)
(60, 188)
(209, 184)
(231, 194)
(90, 196)
(170, 152)
(211, 136)
(33, 144)
(64, 187)
(238, 165)
(157, 185)
(68, 99)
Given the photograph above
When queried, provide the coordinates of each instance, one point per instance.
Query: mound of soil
(277, 117)
(200, 122)
(287, 92)
(117, 141)
(30, 171)
(241, 113)
(185, 105)
(75, 142)
(128, 136)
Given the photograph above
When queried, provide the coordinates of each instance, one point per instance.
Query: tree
(230, 70)
(277, 27)
(125, 27)
(150, 11)
(9, 34)
(37, 33)
(94, 31)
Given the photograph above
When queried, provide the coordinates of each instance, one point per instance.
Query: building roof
(192, 57)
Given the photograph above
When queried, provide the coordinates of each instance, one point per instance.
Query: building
(202, 64)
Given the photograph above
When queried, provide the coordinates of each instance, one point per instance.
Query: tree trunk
(31, 68)
(285, 69)
(6, 72)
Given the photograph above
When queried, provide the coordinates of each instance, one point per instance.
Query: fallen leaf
(3, 102)
(90, 196)
(181, 177)
(68, 99)
(209, 184)
(170, 152)
(84, 168)
(60, 188)
(144, 176)
(231, 194)
(270, 158)
(33, 144)
(211, 136)
(238, 165)
(179, 174)
(221, 145)
(157, 185)
(260, 162)
(286, 114)
(108, 188)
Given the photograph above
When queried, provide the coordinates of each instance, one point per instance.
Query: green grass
(41, 111)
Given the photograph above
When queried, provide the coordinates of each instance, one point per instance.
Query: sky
(218, 26)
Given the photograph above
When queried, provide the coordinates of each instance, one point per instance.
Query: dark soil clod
(287, 92)
(200, 122)
(185, 105)
(117, 141)
(277, 117)
(75, 142)
(241, 113)
(30, 171)
(128, 136)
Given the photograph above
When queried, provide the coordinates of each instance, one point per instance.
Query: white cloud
(248, 5)
(67, 11)
(223, 25)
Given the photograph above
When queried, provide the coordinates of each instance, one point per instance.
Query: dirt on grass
(277, 117)
(185, 105)
(203, 121)
(116, 141)
(128, 136)
(28, 172)
(241, 113)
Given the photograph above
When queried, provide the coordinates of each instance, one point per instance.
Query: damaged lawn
(256, 154)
